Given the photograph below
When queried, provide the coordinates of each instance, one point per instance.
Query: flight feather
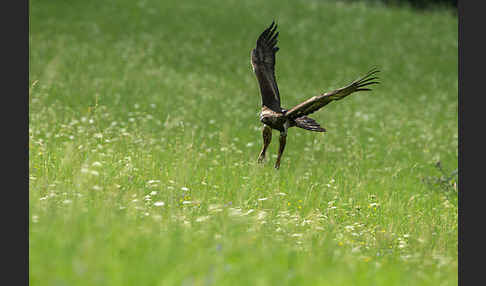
(263, 62)
(315, 103)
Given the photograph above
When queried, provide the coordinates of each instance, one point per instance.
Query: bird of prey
(272, 115)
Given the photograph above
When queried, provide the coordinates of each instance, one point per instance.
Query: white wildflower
(202, 218)
(261, 215)
(96, 164)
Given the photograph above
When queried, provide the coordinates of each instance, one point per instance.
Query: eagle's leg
(267, 137)
(281, 147)
(283, 140)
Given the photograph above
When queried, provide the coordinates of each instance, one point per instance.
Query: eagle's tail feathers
(308, 123)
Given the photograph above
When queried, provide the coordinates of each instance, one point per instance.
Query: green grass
(135, 103)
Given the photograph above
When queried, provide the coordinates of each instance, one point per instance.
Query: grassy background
(144, 135)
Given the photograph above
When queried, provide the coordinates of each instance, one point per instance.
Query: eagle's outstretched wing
(263, 62)
(317, 102)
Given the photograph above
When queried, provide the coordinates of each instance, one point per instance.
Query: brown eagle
(272, 115)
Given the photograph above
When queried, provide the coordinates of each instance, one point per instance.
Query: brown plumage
(272, 115)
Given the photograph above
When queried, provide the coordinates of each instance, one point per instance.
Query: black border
(14, 25)
(471, 50)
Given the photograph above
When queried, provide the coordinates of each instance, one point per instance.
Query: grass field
(144, 135)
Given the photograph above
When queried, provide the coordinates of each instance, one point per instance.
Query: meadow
(144, 137)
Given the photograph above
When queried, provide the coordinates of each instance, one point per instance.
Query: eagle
(273, 115)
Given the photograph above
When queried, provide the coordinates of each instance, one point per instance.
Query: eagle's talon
(261, 158)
